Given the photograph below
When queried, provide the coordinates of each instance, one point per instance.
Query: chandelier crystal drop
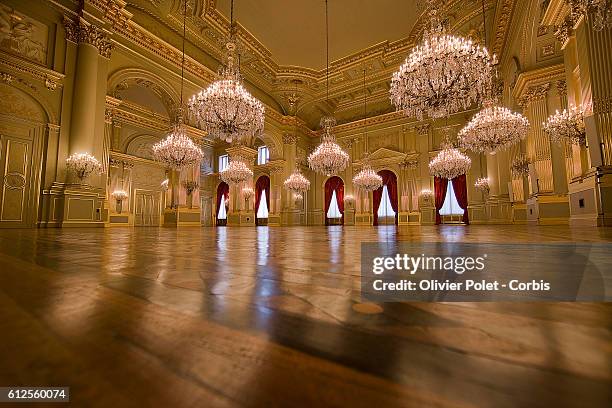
(83, 165)
(520, 166)
(296, 182)
(236, 172)
(449, 163)
(328, 158)
(367, 179)
(482, 185)
(493, 128)
(567, 125)
(177, 150)
(226, 110)
(442, 75)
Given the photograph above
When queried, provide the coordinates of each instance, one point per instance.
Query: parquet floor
(265, 317)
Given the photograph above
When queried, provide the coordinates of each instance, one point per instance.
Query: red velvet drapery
(389, 180)
(460, 188)
(440, 185)
(334, 183)
(263, 183)
(222, 190)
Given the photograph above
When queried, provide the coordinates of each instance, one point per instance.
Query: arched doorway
(334, 201)
(262, 200)
(451, 200)
(385, 199)
(222, 204)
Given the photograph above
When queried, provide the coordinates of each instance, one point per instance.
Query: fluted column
(289, 154)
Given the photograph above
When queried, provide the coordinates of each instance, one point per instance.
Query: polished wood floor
(265, 317)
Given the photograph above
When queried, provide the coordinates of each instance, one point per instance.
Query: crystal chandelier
(520, 166)
(567, 125)
(367, 179)
(482, 185)
(247, 193)
(119, 195)
(601, 10)
(493, 128)
(83, 165)
(236, 171)
(449, 163)
(225, 109)
(296, 182)
(442, 75)
(177, 150)
(328, 158)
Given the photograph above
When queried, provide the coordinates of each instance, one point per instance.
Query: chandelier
(367, 179)
(442, 75)
(426, 195)
(119, 195)
(520, 166)
(601, 11)
(567, 125)
(493, 128)
(83, 165)
(296, 182)
(225, 109)
(328, 158)
(247, 193)
(482, 185)
(177, 150)
(236, 171)
(449, 163)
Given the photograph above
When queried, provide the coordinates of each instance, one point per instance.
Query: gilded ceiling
(282, 45)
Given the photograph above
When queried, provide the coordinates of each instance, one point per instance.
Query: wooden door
(15, 202)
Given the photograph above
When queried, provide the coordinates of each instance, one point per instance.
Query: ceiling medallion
(328, 158)
(177, 150)
(236, 172)
(493, 128)
(296, 182)
(567, 125)
(449, 163)
(226, 110)
(442, 75)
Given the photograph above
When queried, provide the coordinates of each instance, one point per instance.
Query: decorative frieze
(534, 93)
(290, 138)
(602, 105)
(82, 32)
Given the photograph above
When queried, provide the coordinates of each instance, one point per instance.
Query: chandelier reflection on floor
(493, 128)
(449, 163)
(225, 109)
(236, 172)
(567, 125)
(442, 75)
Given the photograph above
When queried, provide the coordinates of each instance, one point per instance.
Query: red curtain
(389, 180)
(222, 190)
(460, 188)
(263, 183)
(440, 185)
(334, 183)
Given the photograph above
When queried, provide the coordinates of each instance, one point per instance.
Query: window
(385, 209)
(263, 155)
(262, 211)
(223, 162)
(450, 206)
(222, 215)
(334, 210)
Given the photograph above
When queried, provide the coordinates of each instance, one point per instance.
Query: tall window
(262, 211)
(334, 210)
(263, 155)
(450, 206)
(223, 162)
(222, 215)
(385, 209)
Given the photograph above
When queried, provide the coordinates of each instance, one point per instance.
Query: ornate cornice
(17, 65)
(83, 32)
(528, 80)
(503, 15)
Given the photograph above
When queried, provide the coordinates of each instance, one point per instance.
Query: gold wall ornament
(83, 32)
